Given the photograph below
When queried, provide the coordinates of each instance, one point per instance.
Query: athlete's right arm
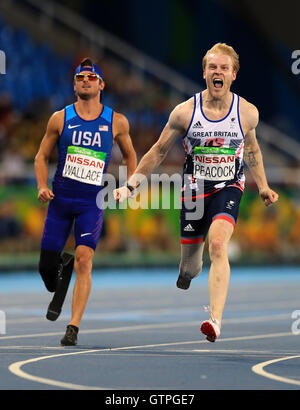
(54, 128)
(157, 153)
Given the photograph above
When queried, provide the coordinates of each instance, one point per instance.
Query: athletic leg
(57, 228)
(87, 230)
(223, 212)
(219, 275)
(82, 287)
(83, 268)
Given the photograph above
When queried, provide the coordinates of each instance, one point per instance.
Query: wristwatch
(131, 188)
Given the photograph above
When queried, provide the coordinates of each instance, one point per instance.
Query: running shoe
(70, 338)
(211, 329)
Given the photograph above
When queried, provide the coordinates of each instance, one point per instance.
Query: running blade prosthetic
(63, 281)
(184, 281)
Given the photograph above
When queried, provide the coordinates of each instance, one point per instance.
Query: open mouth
(218, 83)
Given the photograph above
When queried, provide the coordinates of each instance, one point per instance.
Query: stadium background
(151, 55)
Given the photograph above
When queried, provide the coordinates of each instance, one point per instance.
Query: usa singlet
(84, 153)
(214, 149)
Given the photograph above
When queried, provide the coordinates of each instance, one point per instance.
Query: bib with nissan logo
(214, 163)
(84, 165)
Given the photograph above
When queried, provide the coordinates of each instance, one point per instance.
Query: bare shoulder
(120, 124)
(58, 116)
(181, 116)
(56, 122)
(249, 114)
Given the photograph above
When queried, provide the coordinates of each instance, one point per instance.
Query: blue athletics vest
(84, 151)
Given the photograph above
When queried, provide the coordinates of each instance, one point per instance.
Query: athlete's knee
(217, 247)
(83, 260)
(48, 267)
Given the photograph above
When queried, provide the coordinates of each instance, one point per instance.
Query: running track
(140, 332)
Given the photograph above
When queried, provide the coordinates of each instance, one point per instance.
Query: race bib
(84, 165)
(214, 163)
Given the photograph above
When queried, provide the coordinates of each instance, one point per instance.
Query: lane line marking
(259, 369)
(151, 326)
(15, 368)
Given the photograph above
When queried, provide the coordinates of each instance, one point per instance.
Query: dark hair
(86, 62)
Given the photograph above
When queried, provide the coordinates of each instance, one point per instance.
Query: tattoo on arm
(251, 158)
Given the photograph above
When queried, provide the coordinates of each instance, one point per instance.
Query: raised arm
(54, 128)
(253, 156)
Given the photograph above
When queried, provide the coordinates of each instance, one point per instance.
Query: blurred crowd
(261, 235)
(36, 84)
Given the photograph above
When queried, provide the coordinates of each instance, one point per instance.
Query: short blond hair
(223, 48)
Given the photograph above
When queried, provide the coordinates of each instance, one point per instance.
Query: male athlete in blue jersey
(84, 133)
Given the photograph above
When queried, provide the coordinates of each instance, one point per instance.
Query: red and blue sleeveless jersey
(84, 151)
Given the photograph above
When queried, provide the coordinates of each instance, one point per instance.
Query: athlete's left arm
(122, 137)
(253, 156)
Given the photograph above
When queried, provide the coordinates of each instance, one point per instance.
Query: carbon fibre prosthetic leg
(190, 264)
(63, 281)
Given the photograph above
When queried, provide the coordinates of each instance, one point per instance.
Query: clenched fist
(45, 194)
(120, 194)
(268, 196)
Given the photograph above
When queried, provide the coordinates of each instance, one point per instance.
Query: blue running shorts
(63, 214)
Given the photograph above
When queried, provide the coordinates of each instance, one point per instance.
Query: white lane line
(168, 325)
(259, 369)
(38, 314)
(107, 330)
(35, 348)
(15, 368)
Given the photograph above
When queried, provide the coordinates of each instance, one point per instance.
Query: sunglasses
(90, 77)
